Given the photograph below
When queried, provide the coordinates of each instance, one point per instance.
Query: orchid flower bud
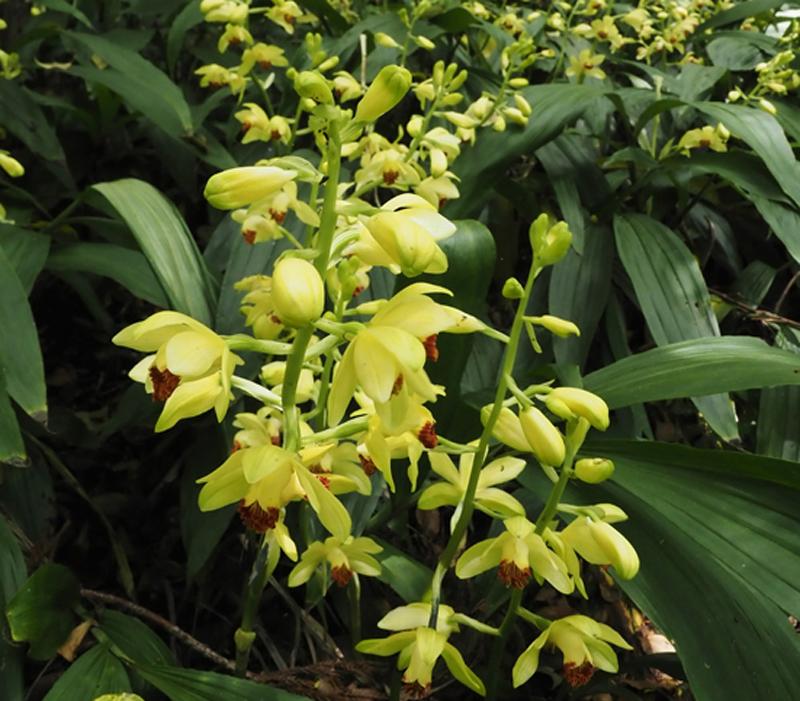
(571, 402)
(297, 292)
(544, 438)
(594, 470)
(389, 87)
(240, 187)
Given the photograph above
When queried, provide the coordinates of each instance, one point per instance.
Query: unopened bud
(382, 39)
(328, 63)
(523, 105)
(11, 165)
(507, 429)
(297, 292)
(518, 83)
(458, 80)
(389, 87)
(543, 437)
(312, 85)
(550, 243)
(513, 289)
(240, 187)
(556, 325)
(572, 402)
(767, 106)
(273, 373)
(424, 43)
(594, 470)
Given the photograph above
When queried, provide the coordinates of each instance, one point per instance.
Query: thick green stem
(449, 553)
(499, 644)
(354, 602)
(557, 492)
(245, 637)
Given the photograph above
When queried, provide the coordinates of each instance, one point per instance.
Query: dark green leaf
(735, 53)
(409, 578)
(65, 7)
(554, 107)
(673, 297)
(20, 355)
(190, 16)
(694, 368)
(41, 612)
(579, 287)
(740, 11)
(12, 448)
(763, 133)
(784, 222)
(94, 673)
(143, 86)
(12, 564)
(778, 433)
(166, 242)
(129, 268)
(194, 685)
(26, 251)
(134, 639)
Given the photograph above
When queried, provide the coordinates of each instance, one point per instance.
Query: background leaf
(167, 244)
(94, 673)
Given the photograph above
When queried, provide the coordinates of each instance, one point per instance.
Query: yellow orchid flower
(191, 368)
(234, 11)
(584, 643)
(495, 502)
(347, 557)
(599, 543)
(439, 190)
(262, 480)
(257, 306)
(390, 168)
(520, 553)
(265, 56)
(234, 34)
(715, 138)
(572, 402)
(287, 13)
(388, 355)
(586, 64)
(337, 465)
(420, 647)
(261, 428)
(404, 235)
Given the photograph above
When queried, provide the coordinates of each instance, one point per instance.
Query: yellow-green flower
(715, 138)
(287, 13)
(257, 306)
(586, 64)
(520, 553)
(234, 11)
(599, 543)
(262, 480)
(420, 647)
(336, 465)
(265, 56)
(243, 186)
(573, 402)
(545, 440)
(584, 643)
(191, 368)
(11, 165)
(404, 235)
(347, 557)
(488, 498)
(234, 34)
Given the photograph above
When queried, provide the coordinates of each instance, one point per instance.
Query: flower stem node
(389, 87)
(572, 402)
(550, 242)
(298, 292)
(594, 470)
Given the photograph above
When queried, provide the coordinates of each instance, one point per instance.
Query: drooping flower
(420, 647)
(190, 368)
(599, 543)
(347, 557)
(584, 643)
(520, 553)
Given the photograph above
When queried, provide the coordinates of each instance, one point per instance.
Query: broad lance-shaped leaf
(696, 367)
(143, 86)
(20, 355)
(673, 297)
(26, 251)
(96, 672)
(554, 107)
(716, 535)
(129, 268)
(167, 243)
(579, 287)
(764, 134)
(12, 449)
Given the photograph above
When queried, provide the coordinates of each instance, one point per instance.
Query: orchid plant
(343, 391)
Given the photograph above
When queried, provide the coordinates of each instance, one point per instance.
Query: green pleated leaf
(763, 133)
(194, 685)
(673, 297)
(41, 612)
(716, 535)
(138, 82)
(12, 564)
(26, 251)
(694, 368)
(409, 578)
(167, 244)
(20, 355)
(579, 287)
(190, 16)
(12, 448)
(554, 106)
(740, 11)
(134, 639)
(784, 222)
(93, 674)
(129, 268)
(66, 8)
(778, 430)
